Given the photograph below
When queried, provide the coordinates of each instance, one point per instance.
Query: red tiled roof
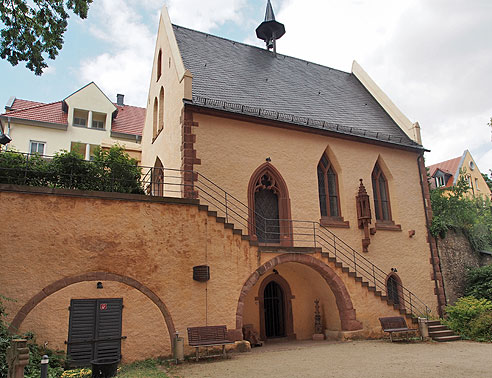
(50, 113)
(22, 104)
(130, 120)
(449, 166)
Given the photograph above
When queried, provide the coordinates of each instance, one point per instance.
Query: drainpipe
(434, 254)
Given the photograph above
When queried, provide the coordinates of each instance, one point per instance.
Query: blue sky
(432, 58)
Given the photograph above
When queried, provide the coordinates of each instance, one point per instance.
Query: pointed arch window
(381, 195)
(329, 201)
(159, 65)
(161, 109)
(269, 219)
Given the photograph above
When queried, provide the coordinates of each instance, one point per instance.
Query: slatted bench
(208, 336)
(395, 324)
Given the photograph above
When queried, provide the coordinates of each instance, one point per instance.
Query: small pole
(44, 366)
(226, 214)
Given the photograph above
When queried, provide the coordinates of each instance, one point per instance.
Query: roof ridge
(262, 49)
(31, 107)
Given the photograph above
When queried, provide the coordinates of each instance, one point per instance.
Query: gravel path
(356, 359)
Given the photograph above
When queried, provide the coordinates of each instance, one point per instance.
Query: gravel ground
(355, 359)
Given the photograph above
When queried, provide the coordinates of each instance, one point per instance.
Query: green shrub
(112, 170)
(479, 282)
(469, 317)
(33, 369)
(77, 373)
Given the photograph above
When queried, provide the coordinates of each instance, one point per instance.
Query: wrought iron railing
(168, 182)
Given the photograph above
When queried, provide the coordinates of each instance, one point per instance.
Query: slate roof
(129, 120)
(254, 81)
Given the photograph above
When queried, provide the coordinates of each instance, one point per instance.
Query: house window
(381, 194)
(37, 147)
(78, 148)
(80, 117)
(476, 184)
(439, 181)
(328, 189)
(98, 121)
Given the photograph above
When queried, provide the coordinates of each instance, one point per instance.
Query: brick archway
(344, 303)
(92, 276)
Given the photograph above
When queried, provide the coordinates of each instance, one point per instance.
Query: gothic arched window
(381, 195)
(329, 203)
(269, 207)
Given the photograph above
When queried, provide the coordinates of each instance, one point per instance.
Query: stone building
(276, 182)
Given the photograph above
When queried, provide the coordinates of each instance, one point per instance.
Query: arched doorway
(273, 306)
(394, 290)
(268, 200)
(346, 311)
(158, 178)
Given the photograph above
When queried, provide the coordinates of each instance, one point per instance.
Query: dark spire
(270, 30)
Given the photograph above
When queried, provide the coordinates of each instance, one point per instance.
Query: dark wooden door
(274, 310)
(392, 286)
(267, 216)
(94, 330)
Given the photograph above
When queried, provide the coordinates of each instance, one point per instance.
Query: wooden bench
(395, 324)
(208, 336)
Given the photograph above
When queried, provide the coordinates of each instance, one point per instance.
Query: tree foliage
(111, 170)
(479, 282)
(488, 179)
(34, 29)
(453, 210)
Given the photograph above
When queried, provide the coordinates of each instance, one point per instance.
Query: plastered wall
(231, 159)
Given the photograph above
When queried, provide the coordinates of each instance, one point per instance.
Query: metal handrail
(157, 181)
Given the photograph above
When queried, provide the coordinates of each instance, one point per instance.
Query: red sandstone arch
(344, 303)
(92, 276)
(283, 202)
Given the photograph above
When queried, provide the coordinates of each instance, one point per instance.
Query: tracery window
(328, 189)
(381, 194)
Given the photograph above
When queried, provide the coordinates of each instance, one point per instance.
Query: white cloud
(432, 58)
(204, 15)
(126, 66)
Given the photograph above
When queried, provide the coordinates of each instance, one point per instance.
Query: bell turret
(270, 30)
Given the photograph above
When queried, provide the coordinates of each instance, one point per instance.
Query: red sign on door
(103, 306)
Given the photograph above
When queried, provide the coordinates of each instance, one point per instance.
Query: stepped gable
(237, 73)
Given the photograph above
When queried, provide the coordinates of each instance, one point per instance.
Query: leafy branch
(31, 32)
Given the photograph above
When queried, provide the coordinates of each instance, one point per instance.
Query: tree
(488, 179)
(33, 29)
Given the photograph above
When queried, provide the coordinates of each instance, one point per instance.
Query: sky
(433, 58)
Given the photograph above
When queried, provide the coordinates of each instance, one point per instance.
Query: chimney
(120, 99)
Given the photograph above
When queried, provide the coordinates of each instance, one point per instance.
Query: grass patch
(143, 369)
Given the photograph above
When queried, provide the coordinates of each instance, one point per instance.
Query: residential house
(80, 122)
(447, 173)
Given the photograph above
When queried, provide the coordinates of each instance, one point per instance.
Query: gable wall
(167, 145)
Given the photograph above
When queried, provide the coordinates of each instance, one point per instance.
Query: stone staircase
(441, 333)
(325, 256)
